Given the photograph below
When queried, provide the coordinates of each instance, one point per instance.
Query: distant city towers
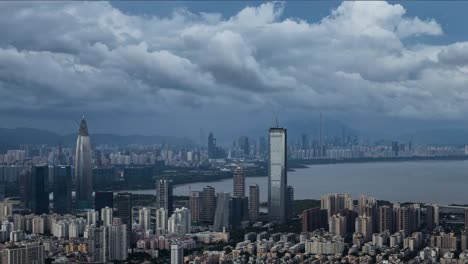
(83, 169)
(164, 195)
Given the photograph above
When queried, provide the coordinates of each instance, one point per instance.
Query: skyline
(126, 74)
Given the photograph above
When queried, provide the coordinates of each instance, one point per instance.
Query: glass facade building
(277, 175)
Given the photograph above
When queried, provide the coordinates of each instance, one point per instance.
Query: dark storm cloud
(88, 55)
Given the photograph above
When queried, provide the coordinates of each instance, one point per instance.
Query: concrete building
(239, 182)
(164, 195)
(180, 222)
(144, 218)
(107, 215)
(177, 254)
(254, 202)
(195, 206)
(221, 219)
(336, 202)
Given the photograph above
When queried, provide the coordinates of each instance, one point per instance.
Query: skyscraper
(277, 175)
(179, 223)
(107, 216)
(386, 219)
(314, 218)
(221, 219)
(364, 226)
(239, 182)
(208, 205)
(164, 195)
(83, 169)
(62, 189)
(39, 193)
(118, 240)
(144, 218)
(211, 146)
(290, 202)
(335, 202)
(195, 206)
(161, 221)
(239, 211)
(254, 202)
(124, 210)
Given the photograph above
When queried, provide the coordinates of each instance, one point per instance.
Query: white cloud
(89, 54)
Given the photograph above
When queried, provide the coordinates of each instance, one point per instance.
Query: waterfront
(443, 182)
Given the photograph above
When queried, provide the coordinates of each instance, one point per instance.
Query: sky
(171, 68)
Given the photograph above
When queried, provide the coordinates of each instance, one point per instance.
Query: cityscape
(269, 132)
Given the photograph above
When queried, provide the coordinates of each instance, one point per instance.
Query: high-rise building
(195, 206)
(277, 175)
(313, 219)
(337, 225)
(364, 227)
(179, 223)
(406, 219)
(239, 211)
(364, 202)
(83, 169)
(177, 254)
(254, 202)
(18, 254)
(97, 238)
(144, 218)
(164, 195)
(239, 182)
(124, 211)
(118, 241)
(103, 177)
(290, 202)
(208, 205)
(466, 218)
(103, 199)
(335, 202)
(161, 221)
(432, 216)
(386, 219)
(62, 189)
(107, 215)
(221, 219)
(92, 217)
(39, 192)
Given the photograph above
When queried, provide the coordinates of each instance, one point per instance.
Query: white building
(177, 254)
(144, 218)
(106, 216)
(180, 222)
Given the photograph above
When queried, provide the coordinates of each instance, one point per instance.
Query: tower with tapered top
(83, 170)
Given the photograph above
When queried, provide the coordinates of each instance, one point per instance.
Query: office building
(221, 219)
(208, 205)
(83, 169)
(277, 175)
(254, 202)
(432, 216)
(62, 189)
(177, 254)
(195, 206)
(164, 195)
(239, 182)
(124, 205)
(39, 190)
(290, 202)
(103, 199)
(239, 211)
(107, 215)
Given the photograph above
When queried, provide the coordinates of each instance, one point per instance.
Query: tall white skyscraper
(106, 215)
(277, 175)
(83, 169)
(144, 218)
(180, 222)
(177, 254)
(161, 221)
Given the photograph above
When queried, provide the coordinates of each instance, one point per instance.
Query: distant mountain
(12, 138)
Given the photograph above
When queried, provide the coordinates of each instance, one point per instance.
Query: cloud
(76, 55)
